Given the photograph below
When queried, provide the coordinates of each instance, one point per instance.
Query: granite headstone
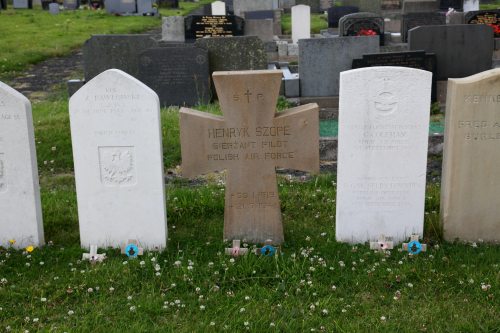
(413, 20)
(336, 13)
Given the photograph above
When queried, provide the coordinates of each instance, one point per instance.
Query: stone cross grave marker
(117, 152)
(93, 256)
(382, 153)
(382, 244)
(250, 141)
(470, 186)
(20, 208)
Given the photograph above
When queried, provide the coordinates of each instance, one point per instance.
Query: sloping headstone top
(21, 213)
(118, 158)
(382, 153)
(471, 177)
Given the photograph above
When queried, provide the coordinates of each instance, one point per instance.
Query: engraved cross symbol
(248, 94)
(250, 141)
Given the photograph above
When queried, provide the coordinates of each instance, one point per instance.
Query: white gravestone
(117, 151)
(471, 5)
(301, 22)
(218, 8)
(20, 208)
(382, 153)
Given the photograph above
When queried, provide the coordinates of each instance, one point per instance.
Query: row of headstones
(377, 6)
(141, 7)
(383, 129)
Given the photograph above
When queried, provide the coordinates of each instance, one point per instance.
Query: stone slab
(179, 75)
(172, 29)
(71, 4)
(420, 6)
(264, 29)
(242, 6)
(218, 8)
(102, 52)
(322, 59)
(471, 177)
(21, 212)
(471, 5)
(461, 50)
(250, 141)
(117, 152)
(382, 153)
(362, 24)
(413, 20)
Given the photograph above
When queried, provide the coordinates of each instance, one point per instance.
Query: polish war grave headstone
(179, 75)
(117, 152)
(413, 20)
(471, 176)
(218, 8)
(382, 154)
(20, 207)
(322, 59)
(471, 5)
(461, 50)
(362, 24)
(102, 52)
(250, 141)
(301, 23)
(200, 26)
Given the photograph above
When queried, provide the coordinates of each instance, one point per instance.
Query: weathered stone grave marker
(301, 22)
(117, 151)
(20, 208)
(250, 141)
(470, 187)
(382, 153)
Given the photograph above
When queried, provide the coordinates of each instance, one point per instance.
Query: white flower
(177, 263)
(111, 289)
(324, 311)
(71, 312)
(43, 299)
(212, 323)
(382, 318)
(202, 307)
(90, 290)
(334, 288)
(129, 298)
(242, 310)
(132, 308)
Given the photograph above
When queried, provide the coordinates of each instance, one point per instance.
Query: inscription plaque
(382, 156)
(199, 26)
(250, 141)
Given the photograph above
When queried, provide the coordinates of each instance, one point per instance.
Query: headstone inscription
(488, 17)
(322, 59)
(362, 24)
(250, 141)
(461, 50)
(301, 23)
(471, 177)
(117, 151)
(21, 212)
(413, 20)
(71, 4)
(200, 26)
(218, 8)
(411, 59)
(382, 153)
(179, 75)
(337, 12)
(458, 5)
(22, 4)
(102, 52)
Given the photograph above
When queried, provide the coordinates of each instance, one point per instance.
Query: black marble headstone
(411, 59)
(362, 24)
(413, 20)
(458, 5)
(199, 26)
(489, 17)
(179, 75)
(336, 13)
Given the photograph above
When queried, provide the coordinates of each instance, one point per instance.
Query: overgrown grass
(30, 36)
(314, 284)
(318, 22)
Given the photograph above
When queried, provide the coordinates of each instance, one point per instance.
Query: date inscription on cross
(250, 141)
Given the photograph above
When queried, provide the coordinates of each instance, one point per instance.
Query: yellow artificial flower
(29, 249)
(12, 241)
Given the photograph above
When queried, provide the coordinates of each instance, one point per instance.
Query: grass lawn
(30, 36)
(315, 284)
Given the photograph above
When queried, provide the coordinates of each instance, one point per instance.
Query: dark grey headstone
(461, 50)
(112, 6)
(179, 75)
(102, 52)
(71, 4)
(455, 4)
(413, 20)
(128, 6)
(420, 6)
(200, 26)
(490, 17)
(234, 53)
(362, 24)
(229, 7)
(259, 15)
(22, 4)
(336, 13)
(314, 4)
(145, 7)
(322, 59)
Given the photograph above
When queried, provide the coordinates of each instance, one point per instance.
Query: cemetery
(263, 165)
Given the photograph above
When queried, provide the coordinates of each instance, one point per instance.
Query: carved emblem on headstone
(117, 165)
